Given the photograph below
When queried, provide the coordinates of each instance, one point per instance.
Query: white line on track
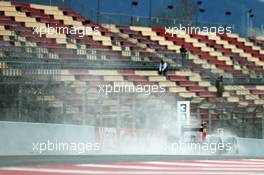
(230, 162)
(122, 166)
(120, 172)
(207, 164)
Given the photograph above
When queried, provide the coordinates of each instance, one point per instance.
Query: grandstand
(229, 55)
(60, 72)
(66, 77)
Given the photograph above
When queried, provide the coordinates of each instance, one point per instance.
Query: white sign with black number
(183, 111)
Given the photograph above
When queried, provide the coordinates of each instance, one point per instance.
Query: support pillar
(222, 119)
(84, 107)
(198, 113)
(118, 117)
(134, 112)
(210, 121)
(19, 102)
(243, 126)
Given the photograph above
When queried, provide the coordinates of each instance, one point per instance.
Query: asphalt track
(86, 159)
(131, 165)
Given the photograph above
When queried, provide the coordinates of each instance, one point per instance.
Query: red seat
(177, 78)
(196, 89)
(206, 94)
(187, 83)
(89, 78)
(136, 78)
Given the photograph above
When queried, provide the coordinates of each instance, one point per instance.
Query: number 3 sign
(183, 111)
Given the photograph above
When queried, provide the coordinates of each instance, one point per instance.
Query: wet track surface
(131, 164)
(82, 159)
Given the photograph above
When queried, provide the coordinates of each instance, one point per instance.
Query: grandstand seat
(228, 55)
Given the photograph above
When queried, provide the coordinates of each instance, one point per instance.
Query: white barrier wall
(252, 147)
(18, 138)
(24, 138)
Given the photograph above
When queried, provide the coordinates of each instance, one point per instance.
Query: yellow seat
(157, 78)
(177, 89)
(147, 73)
(103, 72)
(113, 78)
(7, 8)
(167, 84)
(187, 94)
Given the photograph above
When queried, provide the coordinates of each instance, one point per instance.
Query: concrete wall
(18, 138)
(252, 147)
(23, 138)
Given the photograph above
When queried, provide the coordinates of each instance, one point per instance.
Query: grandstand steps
(30, 33)
(106, 41)
(205, 53)
(134, 37)
(172, 87)
(223, 47)
(210, 56)
(247, 43)
(246, 50)
(258, 41)
(149, 34)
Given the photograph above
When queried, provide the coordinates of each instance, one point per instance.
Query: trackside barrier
(17, 138)
(130, 141)
(252, 147)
